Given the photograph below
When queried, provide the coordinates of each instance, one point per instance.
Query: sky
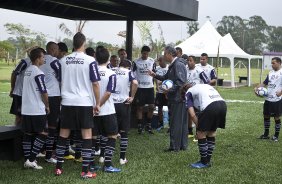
(106, 31)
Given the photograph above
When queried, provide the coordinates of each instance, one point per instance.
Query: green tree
(192, 27)
(5, 49)
(79, 27)
(275, 39)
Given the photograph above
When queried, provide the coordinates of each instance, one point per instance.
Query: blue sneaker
(111, 169)
(200, 165)
(94, 168)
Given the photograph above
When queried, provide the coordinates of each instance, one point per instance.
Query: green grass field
(239, 156)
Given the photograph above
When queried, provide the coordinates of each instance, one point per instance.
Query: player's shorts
(16, 105)
(213, 117)
(161, 99)
(272, 109)
(54, 105)
(34, 123)
(144, 96)
(105, 125)
(76, 117)
(123, 113)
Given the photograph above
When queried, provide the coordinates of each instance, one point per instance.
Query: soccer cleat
(40, 155)
(190, 135)
(195, 140)
(140, 129)
(58, 172)
(200, 165)
(263, 137)
(97, 153)
(94, 168)
(111, 169)
(32, 165)
(71, 150)
(78, 159)
(88, 175)
(275, 139)
(123, 161)
(102, 159)
(69, 157)
(51, 160)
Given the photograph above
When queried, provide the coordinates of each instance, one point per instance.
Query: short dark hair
(48, 45)
(102, 56)
(121, 50)
(185, 56)
(35, 54)
(63, 47)
(145, 48)
(204, 54)
(125, 63)
(90, 51)
(99, 47)
(78, 40)
(278, 59)
(113, 56)
(194, 58)
(178, 49)
(171, 50)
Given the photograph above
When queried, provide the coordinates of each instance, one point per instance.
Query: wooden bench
(242, 78)
(10, 143)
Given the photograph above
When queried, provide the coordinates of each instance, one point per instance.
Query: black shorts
(76, 117)
(213, 117)
(123, 113)
(105, 125)
(144, 96)
(54, 105)
(16, 105)
(161, 99)
(272, 109)
(34, 124)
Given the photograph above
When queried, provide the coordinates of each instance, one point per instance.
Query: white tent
(208, 40)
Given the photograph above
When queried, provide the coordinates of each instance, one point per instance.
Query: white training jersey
(33, 87)
(19, 72)
(124, 79)
(274, 84)
(160, 71)
(196, 76)
(79, 71)
(51, 69)
(209, 71)
(201, 95)
(107, 83)
(140, 69)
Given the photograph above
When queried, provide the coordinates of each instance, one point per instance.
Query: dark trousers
(178, 126)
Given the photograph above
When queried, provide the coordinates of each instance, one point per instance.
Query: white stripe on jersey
(141, 72)
(203, 95)
(161, 71)
(52, 83)
(20, 76)
(274, 85)
(105, 74)
(124, 78)
(76, 86)
(32, 103)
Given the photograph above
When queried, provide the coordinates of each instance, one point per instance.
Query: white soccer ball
(262, 91)
(167, 84)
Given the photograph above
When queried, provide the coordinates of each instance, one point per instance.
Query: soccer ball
(262, 91)
(167, 84)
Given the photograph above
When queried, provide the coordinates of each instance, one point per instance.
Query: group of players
(86, 93)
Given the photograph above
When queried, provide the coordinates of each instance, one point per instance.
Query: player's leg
(124, 125)
(266, 122)
(277, 128)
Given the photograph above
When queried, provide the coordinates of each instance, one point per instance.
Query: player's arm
(265, 83)
(213, 78)
(111, 88)
(134, 86)
(204, 78)
(189, 103)
(39, 79)
(56, 66)
(94, 78)
(21, 66)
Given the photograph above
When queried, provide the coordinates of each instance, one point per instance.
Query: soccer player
(161, 98)
(209, 70)
(105, 123)
(178, 117)
(114, 62)
(51, 68)
(123, 57)
(145, 91)
(79, 86)
(122, 101)
(63, 50)
(34, 108)
(212, 115)
(195, 75)
(272, 106)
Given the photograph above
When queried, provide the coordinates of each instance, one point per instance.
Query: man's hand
(96, 110)
(151, 73)
(278, 93)
(47, 109)
(129, 100)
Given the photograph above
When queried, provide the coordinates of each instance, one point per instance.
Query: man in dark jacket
(178, 116)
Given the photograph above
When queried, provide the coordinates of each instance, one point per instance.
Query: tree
(79, 27)
(192, 27)
(5, 48)
(275, 39)
(145, 28)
